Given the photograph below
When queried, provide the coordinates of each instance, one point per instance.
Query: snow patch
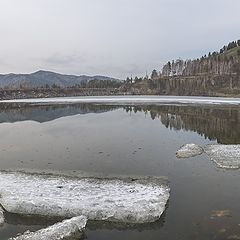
(116, 200)
(189, 150)
(68, 229)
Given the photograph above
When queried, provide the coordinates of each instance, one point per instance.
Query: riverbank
(58, 92)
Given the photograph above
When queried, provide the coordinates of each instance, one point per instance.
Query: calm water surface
(134, 140)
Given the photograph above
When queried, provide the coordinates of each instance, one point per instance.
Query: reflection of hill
(15, 112)
(215, 123)
(221, 123)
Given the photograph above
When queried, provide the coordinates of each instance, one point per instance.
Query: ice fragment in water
(68, 229)
(225, 156)
(189, 150)
(116, 200)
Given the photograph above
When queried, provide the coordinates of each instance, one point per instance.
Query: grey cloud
(64, 59)
(110, 37)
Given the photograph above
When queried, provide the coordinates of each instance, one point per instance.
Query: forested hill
(215, 74)
(226, 61)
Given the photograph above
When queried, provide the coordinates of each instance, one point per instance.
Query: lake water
(131, 139)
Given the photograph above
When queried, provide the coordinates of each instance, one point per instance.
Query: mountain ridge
(43, 78)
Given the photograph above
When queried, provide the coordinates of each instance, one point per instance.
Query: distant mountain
(43, 78)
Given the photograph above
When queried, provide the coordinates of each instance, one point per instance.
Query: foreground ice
(131, 100)
(225, 156)
(68, 229)
(117, 200)
(189, 150)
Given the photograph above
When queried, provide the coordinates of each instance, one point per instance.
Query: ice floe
(189, 150)
(131, 100)
(117, 200)
(68, 229)
(225, 156)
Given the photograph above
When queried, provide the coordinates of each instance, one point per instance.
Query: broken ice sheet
(68, 229)
(116, 199)
(189, 150)
(225, 156)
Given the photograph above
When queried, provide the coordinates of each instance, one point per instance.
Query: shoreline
(11, 94)
(128, 100)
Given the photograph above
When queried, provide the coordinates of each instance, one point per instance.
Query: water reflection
(44, 113)
(31, 220)
(134, 140)
(215, 123)
(221, 123)
(28, 220)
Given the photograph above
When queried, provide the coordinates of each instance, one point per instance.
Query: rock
(220, 213)
(68, 229)
(111, 199)
(189, 150)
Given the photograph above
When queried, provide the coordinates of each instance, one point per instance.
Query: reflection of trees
(15, 112)
(215, 123)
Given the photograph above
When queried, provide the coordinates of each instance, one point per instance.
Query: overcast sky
(111, 37)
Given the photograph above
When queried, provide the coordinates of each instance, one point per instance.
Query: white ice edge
(116, 200)
(71, 228)
(225, 156)
(131, 99)
(1, 216)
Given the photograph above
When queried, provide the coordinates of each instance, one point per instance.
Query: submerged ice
(119, 200)
(68, 229)
(225, 156)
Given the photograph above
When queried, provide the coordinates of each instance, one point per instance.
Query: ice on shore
(117, 200)
(68, 229)
(130, 100)
(225, 156)
(189, 150)
(1, 216)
